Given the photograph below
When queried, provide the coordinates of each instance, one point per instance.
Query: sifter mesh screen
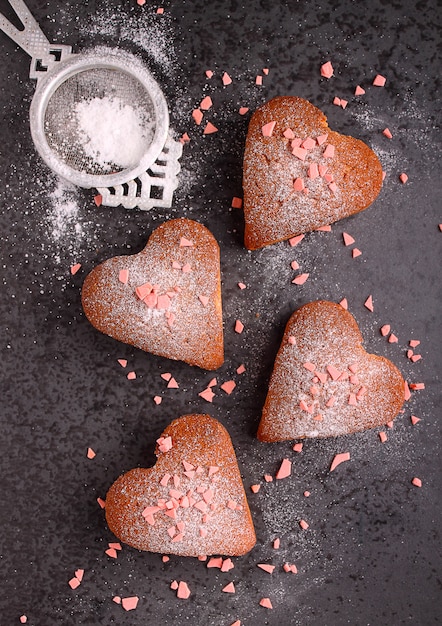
(61, 124)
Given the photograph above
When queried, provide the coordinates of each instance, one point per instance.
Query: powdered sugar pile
(112, 132)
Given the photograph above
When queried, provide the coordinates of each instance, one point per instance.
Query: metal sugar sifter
(65, 83)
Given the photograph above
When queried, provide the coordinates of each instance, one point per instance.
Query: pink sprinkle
(111, 552)
(157, 399)
(309, 366)
(291, 340)
(122, 362)
(239, 327)
(344, 103)
(90, 453)
(184, 138)
(329, 151)
(379, 81)
(242, 285)
(303, 524)
(23, 619)
(415, 420)
(116, 599)
(174, 585)
(75, 268)
(258, 80)
(298, 184)
(369, 304)
(204, 300)
(265, 70)
(338, 459)
(255, 488)
(164, 444)
(308, 143)
(165, 558)
(276, 543)
(337, 101)
(210, 129)
(382, 436)
(115, 545)
(215, 562)
(185, 243)
(267, 568)
(355, 253)
(300, 153)
(98, 199)
(229, 588)
(228, 386)
(300, 279)
(327, 70)
(348, 239)
(298, 447)
(197, 116)
(333, 371)
(392, 338)
(131, 376)
(306, 494)
(101, 503)
(417, 386)
(265, 602)
(344, 303)
(129, 604)
(160, 11)
(209, 73)
(74, 583)
(206, 103)
(293, 241)
(207, 395)
(236, 203)
(321, 139)
(417, 482)
(385, 329)
(414, 343)
(285, 469)
(243, 110)
(268, 478)
(226, 79)
(359, 91)
(267, 129)
(288, 133)
(387, 133)
(227, 565)
(313, 171)
(403, 178)
(123, 276)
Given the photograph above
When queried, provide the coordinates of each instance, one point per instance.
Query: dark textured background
(372, 553)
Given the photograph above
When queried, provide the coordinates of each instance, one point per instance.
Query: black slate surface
(371, 555)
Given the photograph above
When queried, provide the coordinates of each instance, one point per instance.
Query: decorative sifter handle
(32, 40)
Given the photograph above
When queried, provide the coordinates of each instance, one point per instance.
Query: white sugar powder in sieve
(112, 132)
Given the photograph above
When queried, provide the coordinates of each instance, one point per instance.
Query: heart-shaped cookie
(192, 502)
(300, 175)
(166, 299)
(324, 383)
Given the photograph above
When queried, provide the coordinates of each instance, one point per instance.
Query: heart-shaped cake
(299, 175)
(192, 502)
(166, 299)
(324, 383)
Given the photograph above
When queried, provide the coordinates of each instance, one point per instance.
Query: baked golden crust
(324, 383)
(215, 518)
(273, 209)
(188, 327)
